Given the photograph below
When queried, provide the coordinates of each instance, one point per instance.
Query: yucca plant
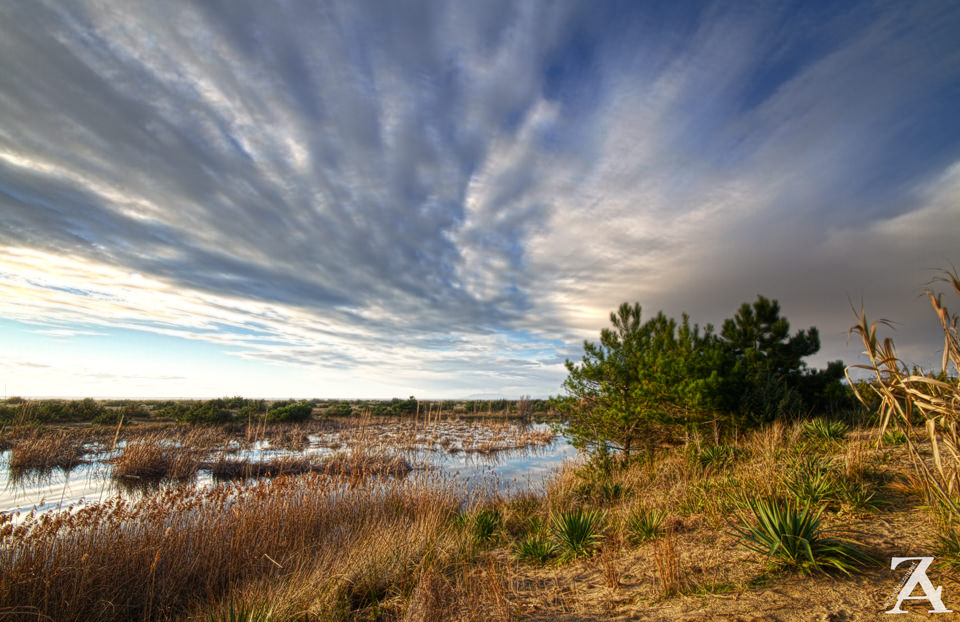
(486, 526)
(812, 481)
(826, 430)
(535, 549)
(716, 455)
(644, 523)
(577, 533)
(610, 492)
(795, 538)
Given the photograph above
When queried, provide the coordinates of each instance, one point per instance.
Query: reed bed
(155, 457)
(352, 464)
(45, 452)
(157, 558)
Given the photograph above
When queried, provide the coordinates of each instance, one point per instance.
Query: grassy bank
(655, 537)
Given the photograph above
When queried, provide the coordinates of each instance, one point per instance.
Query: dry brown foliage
(906, 396)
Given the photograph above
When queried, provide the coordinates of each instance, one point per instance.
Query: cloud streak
(441, 190)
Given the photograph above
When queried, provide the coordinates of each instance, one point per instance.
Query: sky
(445, 199)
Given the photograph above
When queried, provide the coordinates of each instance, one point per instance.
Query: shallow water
(506, 471)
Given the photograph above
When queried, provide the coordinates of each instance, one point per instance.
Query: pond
(483, 459)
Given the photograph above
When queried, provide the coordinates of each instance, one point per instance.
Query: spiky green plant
(795, 538)
(812, 481)
(486, 526)
(535, 549)
(948, 548)
(893, 436)
(610, 492)
(577, 533)
(715, 455)
(644, 523)
(825, 430)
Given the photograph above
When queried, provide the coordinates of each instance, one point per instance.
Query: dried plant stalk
(907, 395)
(668, 565)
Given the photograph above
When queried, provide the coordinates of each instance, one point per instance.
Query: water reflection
(482, 472)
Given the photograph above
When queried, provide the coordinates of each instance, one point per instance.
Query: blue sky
(445, 199)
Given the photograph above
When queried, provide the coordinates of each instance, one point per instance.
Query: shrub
(577, 533)
(287, 412)
(108, 417)
(204, 413)
(795, 538)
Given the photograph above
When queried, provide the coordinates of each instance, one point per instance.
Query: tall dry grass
(323, 548)
(156, 457)
(43, 452)
(906, 396)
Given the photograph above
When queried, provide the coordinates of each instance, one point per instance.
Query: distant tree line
(18, 411)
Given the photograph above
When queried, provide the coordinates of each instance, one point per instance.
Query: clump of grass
(715, 456)
(577, 533)
(152, 457)
(795, 538)
(811, 481)
(644, 523)
(893, 436)
(608, 493)
(242, 614)
(948, 549)
(825, 429)
(44, 452)
(668, 566)
(535, 548)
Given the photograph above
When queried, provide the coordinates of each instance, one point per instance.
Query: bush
(287, 412)
(204, 413)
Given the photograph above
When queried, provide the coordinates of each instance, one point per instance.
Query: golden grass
(157, 557)
(155, 457)
(44, 452)
(404, 549)
(906, 395)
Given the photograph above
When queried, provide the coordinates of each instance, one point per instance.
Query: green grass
(535, 549)
(812, 481)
